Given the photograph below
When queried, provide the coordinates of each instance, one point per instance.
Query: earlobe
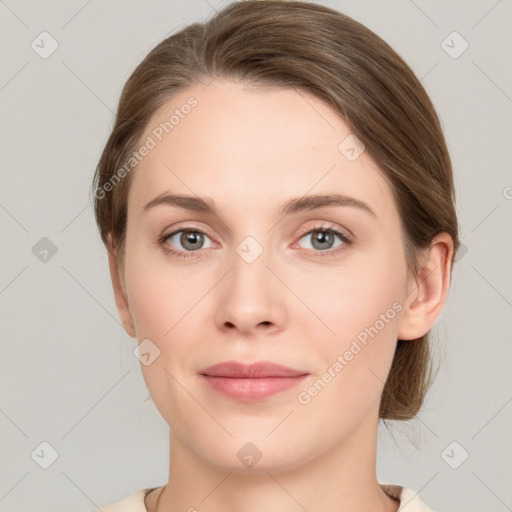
(120, 293)
(428, 289)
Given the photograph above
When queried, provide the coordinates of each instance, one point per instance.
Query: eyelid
(186, 226)
(327, 226)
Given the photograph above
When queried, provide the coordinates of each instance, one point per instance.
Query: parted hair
(321, 51)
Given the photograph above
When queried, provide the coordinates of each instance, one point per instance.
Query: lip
(251, 382)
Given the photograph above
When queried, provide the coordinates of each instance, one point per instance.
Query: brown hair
(328, 54)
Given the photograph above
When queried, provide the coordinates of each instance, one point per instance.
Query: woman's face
(261, 284)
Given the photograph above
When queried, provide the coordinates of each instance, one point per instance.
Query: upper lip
(257, 370)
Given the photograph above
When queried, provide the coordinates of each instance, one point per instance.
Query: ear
(428, 290)
(119, 292)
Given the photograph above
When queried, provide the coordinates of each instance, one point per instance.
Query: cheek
(354, 297)
(362, 313)
(166, 308)
(355, 361)
(159, 294)
(169, 306)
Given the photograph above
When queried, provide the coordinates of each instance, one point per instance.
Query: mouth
(251, 382)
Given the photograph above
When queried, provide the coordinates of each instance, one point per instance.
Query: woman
(277, 202)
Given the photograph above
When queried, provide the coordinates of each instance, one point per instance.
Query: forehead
(245, 145)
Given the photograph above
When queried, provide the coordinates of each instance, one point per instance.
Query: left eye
(323, 239)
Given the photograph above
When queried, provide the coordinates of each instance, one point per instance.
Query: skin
(250, 150)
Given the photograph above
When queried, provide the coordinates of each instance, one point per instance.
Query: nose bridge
(250, 272)
(249, 295)
(250, 250)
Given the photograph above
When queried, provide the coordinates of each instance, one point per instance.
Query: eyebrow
(292, 206)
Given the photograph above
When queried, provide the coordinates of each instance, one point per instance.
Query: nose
(250, 298)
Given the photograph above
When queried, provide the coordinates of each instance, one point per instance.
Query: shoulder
(132, 503)
(410, 501)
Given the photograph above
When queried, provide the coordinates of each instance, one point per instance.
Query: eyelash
(162, 241)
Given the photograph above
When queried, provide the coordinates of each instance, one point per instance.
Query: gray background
(68, 376)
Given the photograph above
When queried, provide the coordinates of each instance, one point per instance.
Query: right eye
(189, 237)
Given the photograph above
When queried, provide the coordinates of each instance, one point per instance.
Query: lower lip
(250, 390)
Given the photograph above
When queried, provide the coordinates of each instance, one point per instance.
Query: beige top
(409, 500)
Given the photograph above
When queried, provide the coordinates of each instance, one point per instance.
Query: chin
(252, 457)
